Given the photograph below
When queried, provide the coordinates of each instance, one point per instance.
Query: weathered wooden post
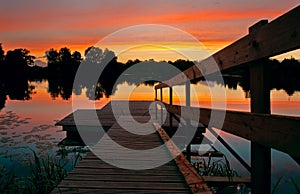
(260, 155)
(171, 103)
(260, 103)
(161, 107)
(155, 103)
(188, 122)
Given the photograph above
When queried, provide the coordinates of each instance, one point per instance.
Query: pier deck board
(95, 175)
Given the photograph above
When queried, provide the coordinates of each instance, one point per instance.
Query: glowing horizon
(79, 25)
(235, 99)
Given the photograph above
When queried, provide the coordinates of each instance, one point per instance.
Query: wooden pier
(93, 175)
(247, 57)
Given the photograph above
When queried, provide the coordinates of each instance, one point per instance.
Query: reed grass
(220, 167)
(7, 179)
(45, 174)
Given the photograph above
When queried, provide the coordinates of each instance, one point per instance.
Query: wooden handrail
(278, 132)
(265, 131)
(264, 40)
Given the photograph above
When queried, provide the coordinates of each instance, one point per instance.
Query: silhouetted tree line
(14, 75)
(60, 71)
(62, 68)
(284, 75)
(17, 70)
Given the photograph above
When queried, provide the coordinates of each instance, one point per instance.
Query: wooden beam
(170, 95)
(277, 37)
(214, 179)
(188, 93)
(191, 176)
(156, 99)
(156, 108)
(171, 102)
(161, 108)
(161, 84)
(188, 121)
(283, 131)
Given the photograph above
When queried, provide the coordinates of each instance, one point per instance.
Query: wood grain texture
(95, 175)
(193, 179)
(277, 37)
(278, 132)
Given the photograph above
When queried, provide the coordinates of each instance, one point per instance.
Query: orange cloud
(78, 26)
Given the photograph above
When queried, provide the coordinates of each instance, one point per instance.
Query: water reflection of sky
(26, 125)
(20, 134)
(29, 125)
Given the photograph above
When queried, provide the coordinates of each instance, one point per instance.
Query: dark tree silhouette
(285, 75)
(181, 64)
(15, 67)
(2, 56)
(93, 55)
(61, 70)
(2, 84)
(52, 57)
(2, 68)
(104, 62)
(76, 57)
(16, 62)
(111, 72)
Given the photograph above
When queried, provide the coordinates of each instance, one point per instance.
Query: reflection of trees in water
(61, 70)
(284, 75)
(14, 75)
(16, 70)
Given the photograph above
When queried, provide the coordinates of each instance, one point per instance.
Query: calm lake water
(29, 125)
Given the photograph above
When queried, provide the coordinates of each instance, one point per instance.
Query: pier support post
(260, 155)
(155, 104)
(188, 122)
(171, 103)
(161, 107)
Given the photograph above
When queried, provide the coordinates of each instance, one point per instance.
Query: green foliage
(46, 174)
(212, 167)
(7, 179)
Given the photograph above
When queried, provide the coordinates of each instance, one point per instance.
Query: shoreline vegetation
(45, 174)
(48, 171)
(17, 70)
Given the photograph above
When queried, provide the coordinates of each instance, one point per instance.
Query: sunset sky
(41, 25)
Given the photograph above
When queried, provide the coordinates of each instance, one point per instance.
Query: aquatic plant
(45, 174)
(7, 179)
(212, 167)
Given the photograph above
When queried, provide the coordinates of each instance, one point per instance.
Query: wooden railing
(264, 40)
(264, 130)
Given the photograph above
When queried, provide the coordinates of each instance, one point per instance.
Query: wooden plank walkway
(95, 175)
